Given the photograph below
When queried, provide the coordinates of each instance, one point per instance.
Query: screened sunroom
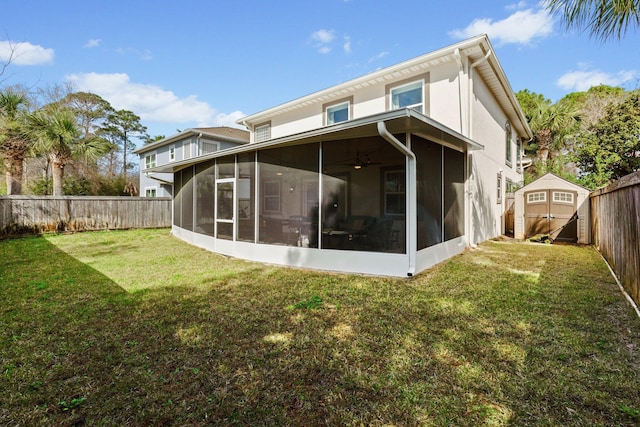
(378, 195)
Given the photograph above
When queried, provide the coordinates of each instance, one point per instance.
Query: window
(271, 193)
(394, 194)
(507, 144)
(563, 197)
(208, 147)
(263, 132)
(510, 186)
(408, 96)
(499, 186)
(538, 197)
(186, 150)
(150, 192)
(172, 153)
(338, 113)
(150, 161)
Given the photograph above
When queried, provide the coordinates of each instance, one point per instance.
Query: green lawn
(139, 328)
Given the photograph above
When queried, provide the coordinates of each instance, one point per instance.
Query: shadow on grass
(498, 336)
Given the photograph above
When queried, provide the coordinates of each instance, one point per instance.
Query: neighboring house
(188, 144)
(386, 174)
(553, 206)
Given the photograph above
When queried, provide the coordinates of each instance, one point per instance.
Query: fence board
(615, 212)
(19, 214)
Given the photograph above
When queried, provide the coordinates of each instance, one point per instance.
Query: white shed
(552, 205)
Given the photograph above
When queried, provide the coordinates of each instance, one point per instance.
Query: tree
(604, 19)
(593, 103)
(610, 149)
(14, 143)
(90, 109)
(56, 133)
(124, 124)
(550, 124)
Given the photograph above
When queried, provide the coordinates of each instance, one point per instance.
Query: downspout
(466, 122)
(412, 213)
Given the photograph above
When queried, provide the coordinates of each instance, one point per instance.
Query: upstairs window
(172, 153)
(507, 144)
(263, 132)
(208, 147)
(338, 113)
(150, 161)
(186, 150)
(408, 96)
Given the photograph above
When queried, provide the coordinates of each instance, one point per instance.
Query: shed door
(551, 212)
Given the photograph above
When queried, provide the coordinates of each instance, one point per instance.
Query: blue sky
(181, 64)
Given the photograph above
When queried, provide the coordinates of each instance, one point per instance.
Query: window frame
(542, 199)
(565, 193)
(424, 78)
(401, 190)
(172, 153)
(150, 160)
(256, 132)
(148, 189)
(208, 141)
(277, 184)
(326, 107)
(499, 188)
(508, 137)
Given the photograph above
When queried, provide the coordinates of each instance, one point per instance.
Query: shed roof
(546, 179)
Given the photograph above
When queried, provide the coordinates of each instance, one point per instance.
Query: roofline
(509, 91)
(327, 130)
(446, 51)
(183, 134)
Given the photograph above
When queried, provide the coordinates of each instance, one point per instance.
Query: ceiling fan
(360, 162)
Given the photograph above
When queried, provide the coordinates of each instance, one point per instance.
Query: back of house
(385, 174)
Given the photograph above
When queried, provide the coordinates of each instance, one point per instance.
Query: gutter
(412, 220)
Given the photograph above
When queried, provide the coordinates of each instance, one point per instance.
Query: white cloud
(323, 36)
(25, 53)
(582, 80)
(322, 40)
(514, 6)
(521, 27)
(347, 44)
(378, 57)
(93, 43)
(145, 55)
(151, 102)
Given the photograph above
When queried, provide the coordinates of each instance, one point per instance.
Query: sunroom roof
(396, 121)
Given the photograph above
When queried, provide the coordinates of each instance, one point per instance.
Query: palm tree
(14, 143)
(56, 133)
(550, 124)
(603, 18)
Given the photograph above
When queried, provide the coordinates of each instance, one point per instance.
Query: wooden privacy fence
(615, 222)
(36, 214)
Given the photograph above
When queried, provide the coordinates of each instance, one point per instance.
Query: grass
(139, 328)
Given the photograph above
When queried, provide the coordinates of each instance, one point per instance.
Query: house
(188, 144)
(386, 174)
(553, 206)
